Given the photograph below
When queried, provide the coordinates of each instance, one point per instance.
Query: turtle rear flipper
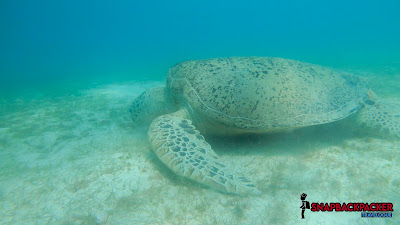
(184, 150)
(381, 114)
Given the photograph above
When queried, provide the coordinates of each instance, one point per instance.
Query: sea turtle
(240, 95)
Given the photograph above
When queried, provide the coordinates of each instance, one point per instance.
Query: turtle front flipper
(381, 114)
(184, 150)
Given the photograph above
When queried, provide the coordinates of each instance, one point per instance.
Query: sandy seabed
(78, 160)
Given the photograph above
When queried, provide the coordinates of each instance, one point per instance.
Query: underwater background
(69, 71)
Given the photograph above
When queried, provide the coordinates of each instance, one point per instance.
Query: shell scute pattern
(265, 93)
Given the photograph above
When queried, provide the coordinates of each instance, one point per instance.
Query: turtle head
(151, 104)
(372, 98)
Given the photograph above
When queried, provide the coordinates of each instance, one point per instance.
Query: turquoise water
(69, 153)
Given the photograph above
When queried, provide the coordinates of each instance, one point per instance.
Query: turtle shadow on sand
(296, 142)
(287, 103)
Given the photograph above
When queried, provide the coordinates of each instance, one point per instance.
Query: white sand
(79, 160)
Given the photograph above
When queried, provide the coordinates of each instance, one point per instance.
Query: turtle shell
(265, 93)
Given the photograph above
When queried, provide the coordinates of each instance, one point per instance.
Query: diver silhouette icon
(304, 204)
